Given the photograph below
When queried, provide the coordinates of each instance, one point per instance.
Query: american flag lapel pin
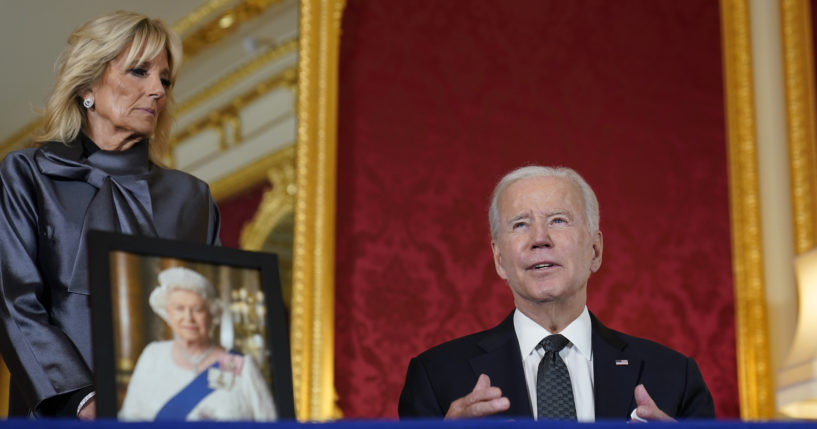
(622, 362)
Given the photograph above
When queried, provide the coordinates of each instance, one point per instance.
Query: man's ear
(498, 260)
(598, 247)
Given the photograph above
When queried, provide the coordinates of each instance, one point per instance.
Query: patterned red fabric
(438, 99)
(236, 211)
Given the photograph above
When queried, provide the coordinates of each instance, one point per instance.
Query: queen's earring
(88, 102)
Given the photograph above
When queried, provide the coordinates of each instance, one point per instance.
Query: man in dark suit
(546, 242)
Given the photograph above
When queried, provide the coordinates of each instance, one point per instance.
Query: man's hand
(484, 400)
(88, 411)
(646, 408)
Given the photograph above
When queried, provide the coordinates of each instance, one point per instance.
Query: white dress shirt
(578, 357)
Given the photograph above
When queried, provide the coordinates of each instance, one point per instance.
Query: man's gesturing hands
(646, 408)
(484, 400)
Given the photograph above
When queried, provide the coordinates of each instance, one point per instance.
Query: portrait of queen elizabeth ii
(191, 377)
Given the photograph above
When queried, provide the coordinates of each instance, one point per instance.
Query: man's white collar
(530, 333)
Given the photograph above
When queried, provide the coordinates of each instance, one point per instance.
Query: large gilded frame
(312, 307)
(798, 62)
(312, 320)
(752, 351)
(798, 69)
(312, 314)
(314, 229)
(303, 182)
(316, 202)
(754, 363)
(313, 285)
(316, 169)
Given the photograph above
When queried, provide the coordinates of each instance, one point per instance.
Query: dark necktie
(554, 394)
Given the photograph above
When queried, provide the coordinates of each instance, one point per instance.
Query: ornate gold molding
(227, 117)
(253, 174)
(224, 24)
(276, 202)
(753, 361)
(800, 99)
(313, 267)
(5, 382)
(195, 18)
(237, 75)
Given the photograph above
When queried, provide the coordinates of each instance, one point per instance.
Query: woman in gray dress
(106, 124)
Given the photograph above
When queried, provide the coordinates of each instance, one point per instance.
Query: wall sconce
(797, 380)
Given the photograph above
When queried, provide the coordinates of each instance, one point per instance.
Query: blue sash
(179, 406)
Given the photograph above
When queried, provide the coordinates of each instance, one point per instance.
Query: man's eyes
(553, 221)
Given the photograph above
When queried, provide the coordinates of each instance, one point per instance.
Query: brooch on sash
(223, 376)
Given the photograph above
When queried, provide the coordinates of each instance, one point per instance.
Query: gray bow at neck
(122, 202)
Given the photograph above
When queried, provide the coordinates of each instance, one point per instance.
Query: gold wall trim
(313, 260)
(239, 74)
(800, 110)
(228, 115)
(5, 382)
(752, 350)
(223, 25)
(276, 202)
(195, 18)
(287, 78)
(252, 174)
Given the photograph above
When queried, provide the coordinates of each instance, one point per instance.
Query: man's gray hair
(591, 204)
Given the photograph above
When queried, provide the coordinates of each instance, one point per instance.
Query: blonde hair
(91, 48)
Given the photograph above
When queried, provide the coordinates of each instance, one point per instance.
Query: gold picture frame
(312, 307)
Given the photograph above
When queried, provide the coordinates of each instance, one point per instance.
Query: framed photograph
(186, 331)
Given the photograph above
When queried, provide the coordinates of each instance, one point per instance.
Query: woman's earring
(88, 102)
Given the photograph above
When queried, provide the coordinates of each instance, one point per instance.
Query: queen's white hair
(181, 278)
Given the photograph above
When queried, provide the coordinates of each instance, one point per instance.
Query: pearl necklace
(195, 361)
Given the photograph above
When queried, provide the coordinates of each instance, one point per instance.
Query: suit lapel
(615, 373)
(502, 361)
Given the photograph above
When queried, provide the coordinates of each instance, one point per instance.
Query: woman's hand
(88, 411)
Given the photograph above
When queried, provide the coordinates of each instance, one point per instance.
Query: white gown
(156, 379)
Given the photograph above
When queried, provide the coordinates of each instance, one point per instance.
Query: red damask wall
(236, 211)
(438, 99)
